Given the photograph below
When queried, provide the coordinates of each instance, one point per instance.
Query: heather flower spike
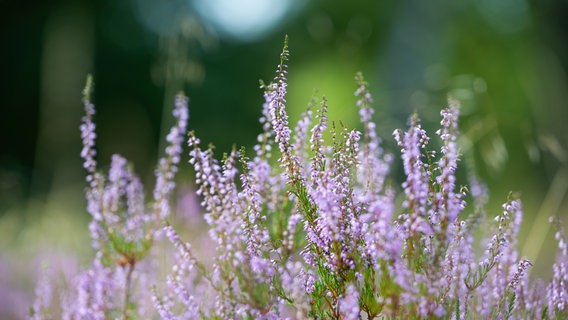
(88, 134)
(318, 232)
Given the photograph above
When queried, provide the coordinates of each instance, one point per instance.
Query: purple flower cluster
(318, 235)
(557, 290)
(123, 229)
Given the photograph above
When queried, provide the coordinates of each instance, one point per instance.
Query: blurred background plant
(506, 61)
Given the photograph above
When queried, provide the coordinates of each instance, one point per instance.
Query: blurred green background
(506, 61)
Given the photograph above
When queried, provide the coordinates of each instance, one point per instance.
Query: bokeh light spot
(244, 20)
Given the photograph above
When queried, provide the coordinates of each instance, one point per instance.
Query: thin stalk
(127, 290)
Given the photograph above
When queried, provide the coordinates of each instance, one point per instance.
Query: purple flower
(300, 145)
(349, 304)
(417, 175)
(316, 142)
(43, 298)
(167, 167)
(373, 169)
(520, 274)
(88, 134)
(557, 289)
(450, 202)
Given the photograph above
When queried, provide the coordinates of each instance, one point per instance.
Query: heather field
(402, 161)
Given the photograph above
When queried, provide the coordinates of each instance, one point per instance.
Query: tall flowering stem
(88, 153)
(374, 165)
(447, 202)
(414, 222)
(557, 290)
(167, 166)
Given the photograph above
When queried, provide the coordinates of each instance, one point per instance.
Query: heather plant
(305, 226)
(123, 229)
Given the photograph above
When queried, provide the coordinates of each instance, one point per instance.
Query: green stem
(127, 290)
